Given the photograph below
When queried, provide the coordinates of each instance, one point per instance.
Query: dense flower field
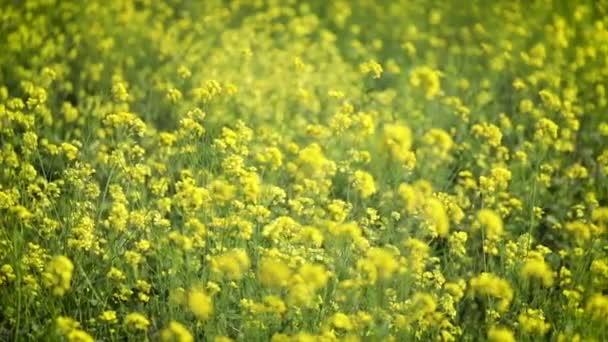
(282, 170)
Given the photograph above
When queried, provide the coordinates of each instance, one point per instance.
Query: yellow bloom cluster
(58, 274)
(536, 268)
(303, 170)
(200, 303)
(176, 332)
(136, 321)
(70, 328)
(493, 286)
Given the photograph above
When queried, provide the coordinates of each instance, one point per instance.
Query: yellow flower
(137, 321)
(109, 316)
(116, 275)
(78, 335)
(364, 183)
(455, 289)
(597, 307)
(490, 222)
(308, 279)
(251, 185)
(438, 144)
(397, 138)
(410, 197)
(550, 100)
(577, 171)
(184, 72)
(457, 243)
(423, 303)
(311, 236)
(315, 276)
(200, 304)
(532, 321)
(546, 131)
(174, 95)
(537, 268)
(500, 334)
(119, 92)
(133, 258)
(58, 275)
(600, 214)
(222, 191)
(176, 332)
(222, 339)
(371, 67)
(271, 156)
(384, 261)
(69, 150)
(232, 264)
(66, 324)
(580, 230)
(7, 274)
(275, 304)
(311, 162)
(490, 132)
(274, 272)
(494, 286)
(418, 254)
(339, 210)
(300, 294)
(426, 79)
(437, 217)
(127, 121)
(341, 321)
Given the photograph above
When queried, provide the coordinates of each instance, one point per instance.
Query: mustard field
(282, 170)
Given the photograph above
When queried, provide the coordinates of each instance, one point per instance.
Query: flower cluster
(303, 170)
